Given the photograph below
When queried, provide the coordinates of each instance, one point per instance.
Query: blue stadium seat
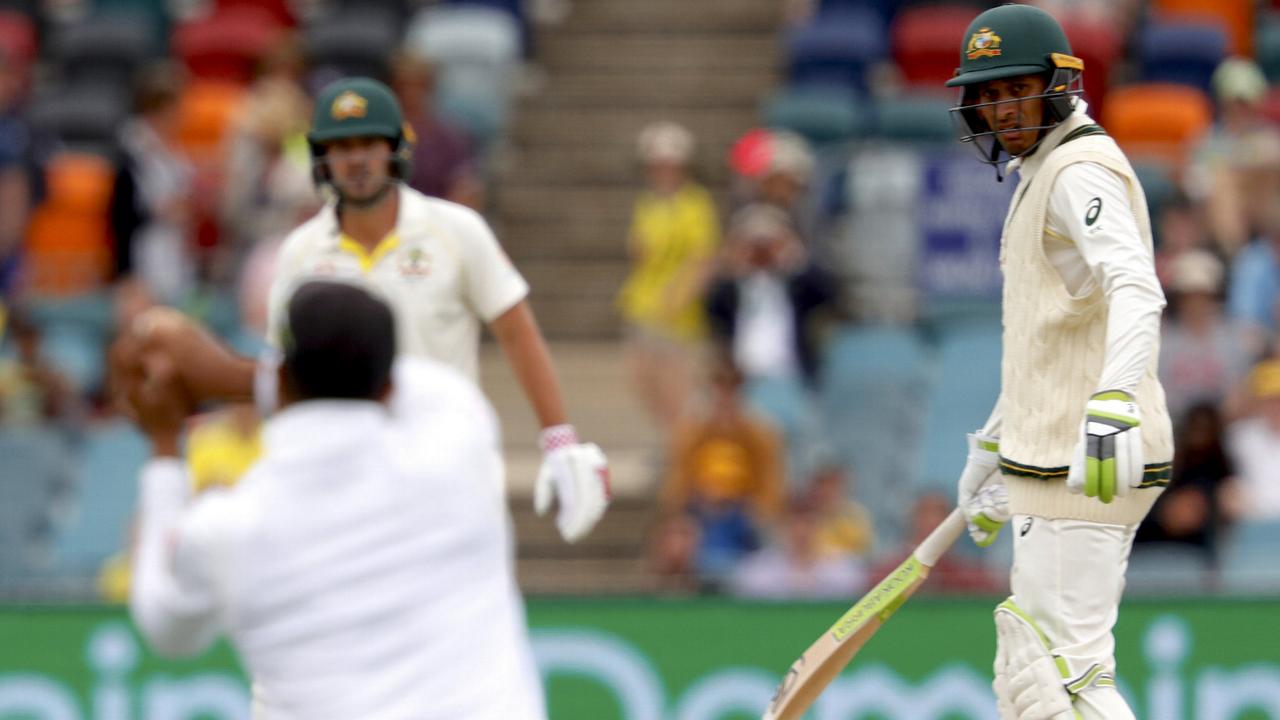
(106, 492)
(915, 118)
(822, 115)
(1181, 52)
(1167, 568)
(1267, 48)
(964, 392)
(874, 383)
(83, 117)
(105, 49)
(836, 49)
(351, 42)
(1158, 184)
(33, 473)
(78, 353)
(1249, 558)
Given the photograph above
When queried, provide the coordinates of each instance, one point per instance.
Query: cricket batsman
(1079, 444)
(443, 272)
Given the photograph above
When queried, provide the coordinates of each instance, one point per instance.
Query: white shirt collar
(1027, 165)
(405, 217)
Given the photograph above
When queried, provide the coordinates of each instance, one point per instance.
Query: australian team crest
(415, 263)
(984, 43)
(348, 105)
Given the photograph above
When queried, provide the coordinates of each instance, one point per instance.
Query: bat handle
(941, 538)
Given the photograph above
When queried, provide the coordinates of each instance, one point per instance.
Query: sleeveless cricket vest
(1054, 347)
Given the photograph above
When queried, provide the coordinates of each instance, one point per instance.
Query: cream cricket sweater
(1054, 349)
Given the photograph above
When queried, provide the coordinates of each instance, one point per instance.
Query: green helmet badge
(358, 107)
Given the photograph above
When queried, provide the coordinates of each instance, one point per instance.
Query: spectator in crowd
(32, 391)
(955, 572)
(268, 188)
(1235, 171)
(726, 469)
(674, 555)
(223, 446)
(672, 242)
(798, 566)
(443, 158)
(1189, 512)
(766, 305)
(1202, 354)
(774, 167)
(1254, 447)
(1253, 291)
(151, 204)
(844, 526)
(1178, 230)
(15, 181)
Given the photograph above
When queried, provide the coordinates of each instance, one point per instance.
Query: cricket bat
(828, 655)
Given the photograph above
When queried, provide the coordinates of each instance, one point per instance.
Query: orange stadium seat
(925, 42)
(68, 245)
(205, 111)
(1157, 121)
(1235, 15)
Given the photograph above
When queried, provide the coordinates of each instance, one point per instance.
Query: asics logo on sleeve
(1093, 211)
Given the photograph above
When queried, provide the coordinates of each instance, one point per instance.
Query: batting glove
(982, 495)
(578, 475)
(1108, 458)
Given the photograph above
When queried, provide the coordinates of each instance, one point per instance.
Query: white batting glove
(982, 495)
(1108, 457)
(578, 475)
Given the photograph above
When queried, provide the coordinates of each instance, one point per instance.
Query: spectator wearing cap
(1235, 171)
(672, 241)
(797, 566)
(1254, 445)
(774, 167)
(1202, 353)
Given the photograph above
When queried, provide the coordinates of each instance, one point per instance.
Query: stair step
(569, 238)
(614, 164)
(638, 88)
(604, 126)
(661, 52)
(677, 15)
(593, 576)
(520, 204)
(576, 318)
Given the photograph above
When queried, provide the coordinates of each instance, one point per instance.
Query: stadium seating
(82, 117)
(1268, 49)
(821, 115)
(104, 50)
(1100, 46)
(351, 43)
(1158, 184)
(1249, 557)
(915, 118)
(205, 112)
(33, 473)
(1181, 52)
(926, 42)
(68, 248)
(836, 49)
(106, 491)
(1236, 16)
(17, 37)
(964, 391)
(1168, 568)
(228, 44)
(1157, 122)
(874, 383)
(281, 10)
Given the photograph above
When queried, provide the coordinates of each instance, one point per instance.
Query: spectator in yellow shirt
(673, 239)
(221, 449)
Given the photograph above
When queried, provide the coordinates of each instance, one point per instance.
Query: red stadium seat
(1099, 45)
(17, 37)
(228, 44)
(1157, 121)
(1234, 15)
(279, 9)
(926, 42)
(68, 249)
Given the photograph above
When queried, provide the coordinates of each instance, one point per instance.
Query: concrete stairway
(562, 200)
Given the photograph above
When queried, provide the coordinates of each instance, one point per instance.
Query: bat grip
(941, 538)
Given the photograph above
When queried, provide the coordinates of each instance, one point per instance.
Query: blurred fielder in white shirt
(363, 568)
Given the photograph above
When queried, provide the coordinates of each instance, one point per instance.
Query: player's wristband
(556, 437)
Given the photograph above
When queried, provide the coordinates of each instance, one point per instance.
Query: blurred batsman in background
(439, 266)
(1080, 435)
(363, 567)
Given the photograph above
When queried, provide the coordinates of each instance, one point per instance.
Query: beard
(366, 200)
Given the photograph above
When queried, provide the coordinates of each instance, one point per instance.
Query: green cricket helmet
(1005, 42)
(359, 107)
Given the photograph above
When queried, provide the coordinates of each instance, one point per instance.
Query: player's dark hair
(339, 342)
